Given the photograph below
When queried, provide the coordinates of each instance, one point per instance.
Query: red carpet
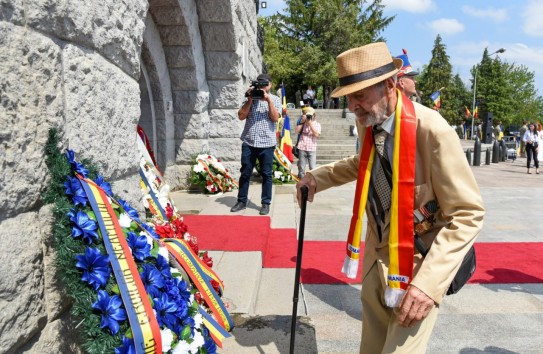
(511, 262)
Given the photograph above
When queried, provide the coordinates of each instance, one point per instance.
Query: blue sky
(466, 27)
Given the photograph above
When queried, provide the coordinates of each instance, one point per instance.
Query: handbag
(424, 219)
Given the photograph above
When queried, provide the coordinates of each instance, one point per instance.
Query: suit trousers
(381, 332)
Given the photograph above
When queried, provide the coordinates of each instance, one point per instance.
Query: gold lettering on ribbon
(125, 276)
(150, 346)
(206, 289)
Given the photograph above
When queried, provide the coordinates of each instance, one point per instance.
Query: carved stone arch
(157, 118)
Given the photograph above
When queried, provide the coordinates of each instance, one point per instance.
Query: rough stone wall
(75, 65)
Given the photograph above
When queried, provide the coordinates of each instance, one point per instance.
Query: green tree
(507, 90)
(302, 44)
(438, 75)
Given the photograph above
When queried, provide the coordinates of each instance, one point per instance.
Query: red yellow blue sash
(153, 203)
(401, 238)
(143, 322)
(185, 256)
(217, 333)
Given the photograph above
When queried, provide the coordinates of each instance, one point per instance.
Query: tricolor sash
(217, 333)
(401, 240)
(143, 322)
(154, 204)
(185, 256)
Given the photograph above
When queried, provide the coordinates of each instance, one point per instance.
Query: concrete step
(241, 273)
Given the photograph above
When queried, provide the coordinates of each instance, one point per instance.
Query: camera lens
(308, 116)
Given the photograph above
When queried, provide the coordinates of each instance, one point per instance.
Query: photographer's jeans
(249, 155)
(305, 158)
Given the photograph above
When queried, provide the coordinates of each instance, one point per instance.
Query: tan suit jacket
(442, 174)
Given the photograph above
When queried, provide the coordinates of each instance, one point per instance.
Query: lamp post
(501, 50)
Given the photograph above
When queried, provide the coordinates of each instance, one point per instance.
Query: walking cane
(304, 191)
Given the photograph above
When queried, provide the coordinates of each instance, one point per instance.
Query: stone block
(167, 15)
(116, 32)
(191, 126)
(226, 94)
(57, 337)
(218, 37)
(223, 65)
(174, 35)
(188, 148)
(101, 118)
(214, 11)
(12, 11)
(224, 123)
(190, 101)
(56, 299)
(227, 149)
(183, 78)
(179, 56)
(21, 289)
(31, 103)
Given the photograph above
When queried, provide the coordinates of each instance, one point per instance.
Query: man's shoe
(265, 210)
(239, 206)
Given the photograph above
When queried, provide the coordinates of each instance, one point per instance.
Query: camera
(308, 116)
(257, 93)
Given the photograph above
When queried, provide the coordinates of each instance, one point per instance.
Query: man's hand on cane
(309, 181)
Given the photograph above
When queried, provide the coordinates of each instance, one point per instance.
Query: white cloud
(533, 25)
(409, 5)
(446, 26)
(498, 15)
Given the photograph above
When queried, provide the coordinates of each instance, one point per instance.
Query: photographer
(260, 110)
(309, 130)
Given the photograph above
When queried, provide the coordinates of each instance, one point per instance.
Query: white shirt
(530, 137)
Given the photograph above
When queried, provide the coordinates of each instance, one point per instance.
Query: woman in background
(531, 138)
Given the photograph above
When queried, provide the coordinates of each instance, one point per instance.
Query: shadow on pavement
(493, 350)
(271, 334)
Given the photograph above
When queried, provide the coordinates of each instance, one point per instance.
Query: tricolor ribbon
(185, 256)
(144, 325)
(154, 204)
(401, 233)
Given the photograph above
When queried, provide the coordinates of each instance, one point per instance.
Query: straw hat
(364, 66)
(308, 110)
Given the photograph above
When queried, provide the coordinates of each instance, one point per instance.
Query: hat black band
(366, 75)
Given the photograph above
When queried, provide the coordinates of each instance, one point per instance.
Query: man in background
(259, 140)
(406, 78)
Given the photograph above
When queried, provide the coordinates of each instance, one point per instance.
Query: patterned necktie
(381, 184)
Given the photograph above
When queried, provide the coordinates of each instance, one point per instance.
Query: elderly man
(409, 158)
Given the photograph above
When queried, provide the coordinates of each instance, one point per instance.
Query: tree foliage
(507, 90)
(302, 44)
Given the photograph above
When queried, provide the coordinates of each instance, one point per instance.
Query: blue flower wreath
(172, 297)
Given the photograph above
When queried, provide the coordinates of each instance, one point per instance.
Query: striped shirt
(259, 130)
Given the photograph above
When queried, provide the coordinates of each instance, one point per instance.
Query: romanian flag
(436, 97)
(286, 141)
(468, 113)
(476, 110)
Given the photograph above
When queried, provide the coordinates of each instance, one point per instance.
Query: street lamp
(501, 50)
